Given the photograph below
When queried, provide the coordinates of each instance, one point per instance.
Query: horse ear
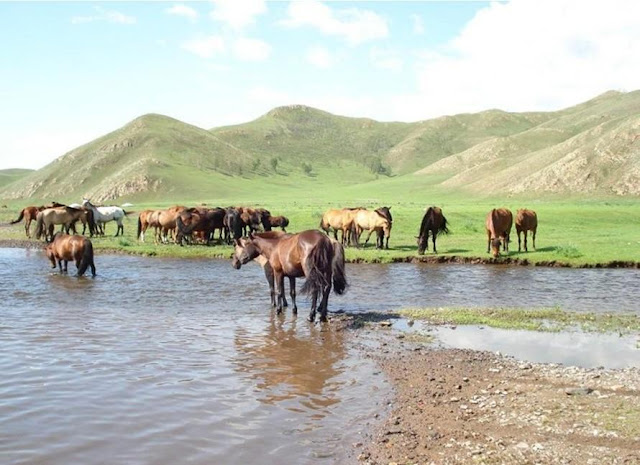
(388, 208)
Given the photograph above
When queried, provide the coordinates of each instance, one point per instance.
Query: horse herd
(310, 254)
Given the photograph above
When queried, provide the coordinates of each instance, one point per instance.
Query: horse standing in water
(498, 225)
(526, 220)
(433, 221)
(310, 254)
(65, 248)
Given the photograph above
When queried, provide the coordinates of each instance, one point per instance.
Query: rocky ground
(454, 406)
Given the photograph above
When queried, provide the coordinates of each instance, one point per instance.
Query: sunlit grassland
(572, 230)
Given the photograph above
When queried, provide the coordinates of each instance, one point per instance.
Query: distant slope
(11, 175)
(592, 147)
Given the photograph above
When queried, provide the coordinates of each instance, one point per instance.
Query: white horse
(102, 215)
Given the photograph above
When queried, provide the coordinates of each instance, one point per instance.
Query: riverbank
(454, 406)
(225, 252)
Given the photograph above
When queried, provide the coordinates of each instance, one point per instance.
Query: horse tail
(318, 264)
(39, 226)
(324, 226)
(285, 222)
(87, 258)
(139, 228)
(444, 226)
(19, 218)
(338, 270)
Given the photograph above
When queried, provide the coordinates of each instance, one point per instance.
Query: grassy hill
(296, 150)
(12, 175)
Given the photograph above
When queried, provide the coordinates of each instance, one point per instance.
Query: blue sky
(70, 72)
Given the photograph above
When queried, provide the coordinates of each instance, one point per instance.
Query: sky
(73, 71)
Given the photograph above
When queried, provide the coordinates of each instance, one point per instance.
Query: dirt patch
(453, 406)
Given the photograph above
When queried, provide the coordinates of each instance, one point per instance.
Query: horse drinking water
(433, 221)
(310, 254)
(498, 225)
(64, 248)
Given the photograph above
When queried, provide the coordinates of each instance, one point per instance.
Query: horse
(103, 215)
(30, 213)
(147, 219)
(268, 273)
(233, 224)
(205, 220)
(310, 254)
(251, 219)
(379, 220)
(433, 221)
(526, 220)
(167, 221)
(279, 222)
(64, 248)
(498, 225)
(66, 216)
(340, 220)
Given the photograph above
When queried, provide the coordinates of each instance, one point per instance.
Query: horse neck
(492, 223)
(265, 246)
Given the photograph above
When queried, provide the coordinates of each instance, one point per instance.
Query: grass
(572, 232)
(546, 320)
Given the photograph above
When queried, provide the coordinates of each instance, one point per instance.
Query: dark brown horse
(433, 221)
(204, 220)
(526, 220)
(498, 225)
(310, 254)
(279, 222)
(65, 248)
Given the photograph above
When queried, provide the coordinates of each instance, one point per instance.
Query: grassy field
(571, 231)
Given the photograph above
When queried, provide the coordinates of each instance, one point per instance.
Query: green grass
(546, 320)
(571, 231)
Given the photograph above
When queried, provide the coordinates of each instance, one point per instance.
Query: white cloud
(530, 55)
(320, 57)
(386, 59)
(246, 49)
(184, 11)
(418, 25)
(238, 14)
(206, 47)
(354, 25)
(110, 16)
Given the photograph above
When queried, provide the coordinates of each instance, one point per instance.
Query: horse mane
(270, 234)
(385, 213)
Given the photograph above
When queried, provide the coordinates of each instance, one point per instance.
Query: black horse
(435, 222)
(233, 225)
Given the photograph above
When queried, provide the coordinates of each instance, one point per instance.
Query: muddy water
(182, 361)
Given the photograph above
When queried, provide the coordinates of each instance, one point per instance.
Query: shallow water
(176, 361)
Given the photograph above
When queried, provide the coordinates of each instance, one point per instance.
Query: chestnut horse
(30, 213)
(279, 222)
(310, 254)
(64, 248)
(498, 225)
(526, 220)
(433, 221)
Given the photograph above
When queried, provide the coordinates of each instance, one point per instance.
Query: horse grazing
(526, 220)
(279, 222)
(310, 254)
(378, 221)
(30, 213)
(64, 248)
(498, 225)
(340, 220)
(66, 216)
(102, 215)
(433, 221)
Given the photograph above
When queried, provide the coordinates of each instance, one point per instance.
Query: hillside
(12, 175)
(589, 148)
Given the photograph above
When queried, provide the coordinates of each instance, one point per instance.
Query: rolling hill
(591, 148)
(12, 175)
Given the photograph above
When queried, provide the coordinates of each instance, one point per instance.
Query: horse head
(495, 246)
(245, 251)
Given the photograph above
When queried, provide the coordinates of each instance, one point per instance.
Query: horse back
(499, 221)
(526, 220)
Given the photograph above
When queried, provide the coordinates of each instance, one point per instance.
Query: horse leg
(488, 241)
(368, 237)
(433, 237)
(66, 265)
(279, 280)
(292, 293)
(525, 239)
(27, 225)
(60, 265)
(314, 301)
(324, 303)
(533, 237)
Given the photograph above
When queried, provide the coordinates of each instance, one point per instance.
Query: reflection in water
(287, 364)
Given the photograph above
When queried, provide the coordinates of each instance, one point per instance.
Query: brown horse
(30, 213)
(167, 222)
(498, 225)
(378, 221)
(268, 273)
(340, 220)
(64, 248)
(526, 220)
(279, 222)
(433, 221)
(199, 220)
(310, 254)
(66, 216)
(147, 219)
